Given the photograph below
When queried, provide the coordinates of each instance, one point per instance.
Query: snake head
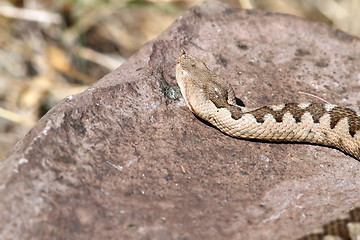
(191, 75)
(190, 64)
(200, 87)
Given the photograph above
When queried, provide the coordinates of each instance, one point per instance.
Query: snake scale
(213, 99)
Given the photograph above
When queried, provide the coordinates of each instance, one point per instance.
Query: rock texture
(127, 160)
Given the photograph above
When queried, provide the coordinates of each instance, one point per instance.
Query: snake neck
(212, 98)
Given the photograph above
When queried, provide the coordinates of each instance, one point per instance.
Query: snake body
(213, 99)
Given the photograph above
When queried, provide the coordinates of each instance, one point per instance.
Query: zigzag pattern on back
(297, 110)
(213, 99)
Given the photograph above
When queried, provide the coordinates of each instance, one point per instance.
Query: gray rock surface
(127, 160)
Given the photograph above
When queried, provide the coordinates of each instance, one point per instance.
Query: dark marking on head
(220, 98)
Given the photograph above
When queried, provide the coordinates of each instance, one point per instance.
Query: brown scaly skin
(212, 98)
(346, 227)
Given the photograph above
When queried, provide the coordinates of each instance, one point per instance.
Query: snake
(212, 99)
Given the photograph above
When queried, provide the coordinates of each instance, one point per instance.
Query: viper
(212, 99)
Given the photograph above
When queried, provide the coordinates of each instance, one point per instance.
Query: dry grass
(52, 49)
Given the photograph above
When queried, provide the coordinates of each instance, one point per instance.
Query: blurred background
(52, 49)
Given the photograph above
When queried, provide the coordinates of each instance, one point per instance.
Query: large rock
(127, 160)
